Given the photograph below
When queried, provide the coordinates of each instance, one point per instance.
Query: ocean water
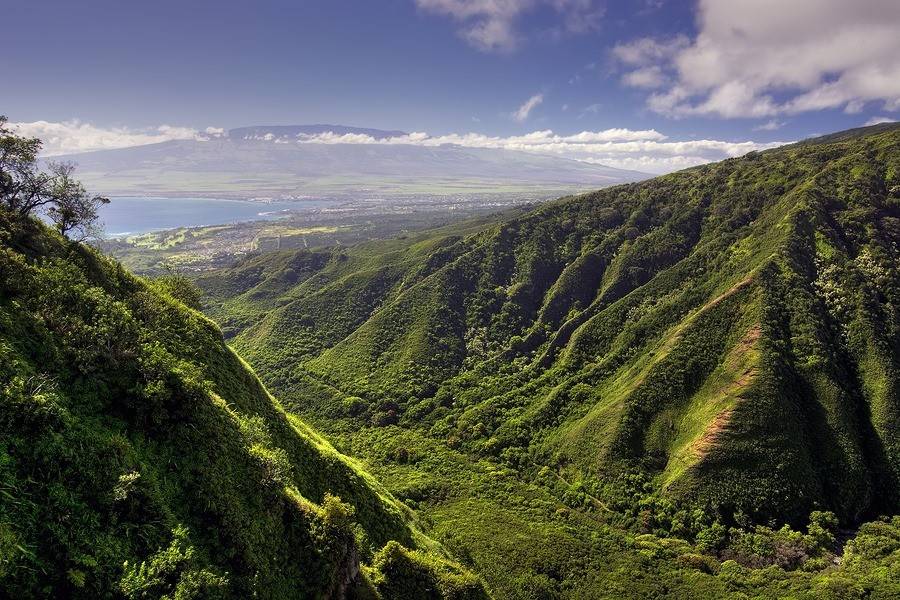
(132, 215)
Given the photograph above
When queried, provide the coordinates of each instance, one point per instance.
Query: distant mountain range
(274, 161)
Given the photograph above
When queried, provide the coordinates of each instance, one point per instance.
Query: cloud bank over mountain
(69, 137)
(644, 150)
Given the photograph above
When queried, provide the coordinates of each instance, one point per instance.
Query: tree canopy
(27, 189)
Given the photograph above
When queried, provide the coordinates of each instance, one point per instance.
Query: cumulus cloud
(492, 25)
(879, 121)
(644, 59)
(641, 149)
(645, 77)
(70, 137)
(643, 51)
(523, 111)
(762, 58)
(770, 125)
(644, 150)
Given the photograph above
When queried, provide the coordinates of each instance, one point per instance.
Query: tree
(73, 211)
(20, 182)
(27, 190)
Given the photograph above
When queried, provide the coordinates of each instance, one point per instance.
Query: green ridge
(715, 350)
(140, 457)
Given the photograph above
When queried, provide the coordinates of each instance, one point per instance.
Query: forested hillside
(140, 457)
(629, 391)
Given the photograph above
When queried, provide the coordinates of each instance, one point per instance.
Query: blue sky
(723, 70)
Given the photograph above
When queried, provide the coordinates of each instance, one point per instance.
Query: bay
(132, 215)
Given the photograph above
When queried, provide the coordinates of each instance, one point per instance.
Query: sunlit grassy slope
(723, 340)
(140, 457)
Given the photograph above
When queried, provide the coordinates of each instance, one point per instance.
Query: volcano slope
(618, 391)
(140, 457)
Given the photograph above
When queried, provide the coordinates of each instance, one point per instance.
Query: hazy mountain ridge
(274, 161)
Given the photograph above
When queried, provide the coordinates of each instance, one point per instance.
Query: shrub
(403, 573)
(172, 573)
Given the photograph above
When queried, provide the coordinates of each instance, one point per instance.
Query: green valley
(684, 387)
(450, 300)
(680, 388)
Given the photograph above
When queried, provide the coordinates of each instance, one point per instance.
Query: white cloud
(646, 57)
(491, 25)
(648, 50)
(327, 137)
(70, 137)
(523, 111)
(770, 125)
(761, 58)
(645, 149)
(645, 77)
(879, 121)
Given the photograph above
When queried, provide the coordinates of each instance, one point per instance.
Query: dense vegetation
(140, 457)
(684, 387)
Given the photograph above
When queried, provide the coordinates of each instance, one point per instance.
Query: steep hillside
(723, 339)
(140, 457)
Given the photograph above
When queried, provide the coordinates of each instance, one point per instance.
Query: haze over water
(130, 215)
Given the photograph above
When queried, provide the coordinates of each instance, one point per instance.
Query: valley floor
(532, 535)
